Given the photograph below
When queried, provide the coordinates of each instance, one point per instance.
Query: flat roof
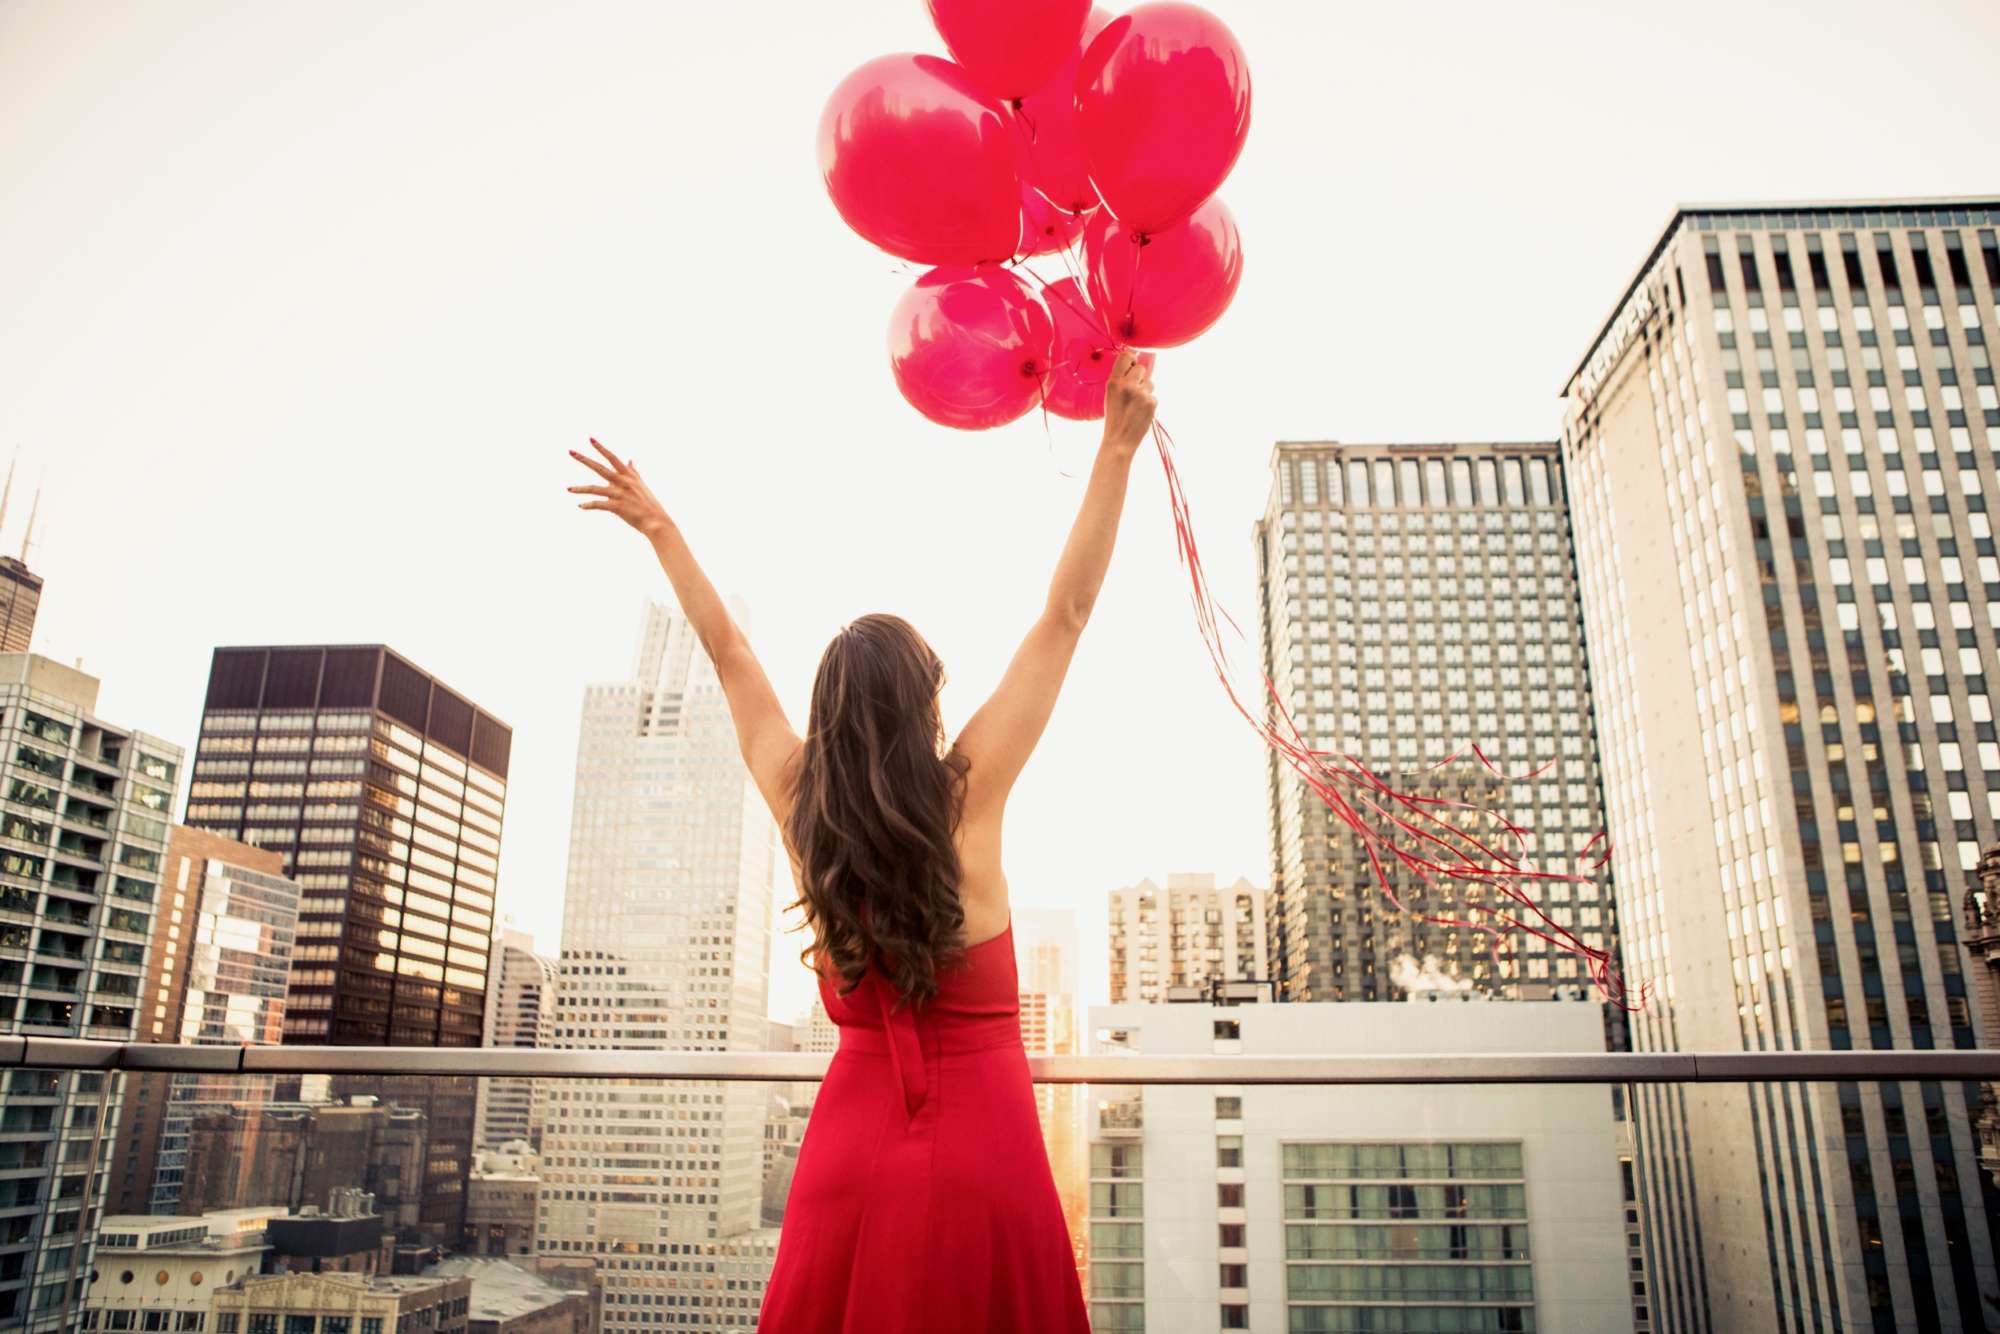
(501, 1289)
(1922, 202)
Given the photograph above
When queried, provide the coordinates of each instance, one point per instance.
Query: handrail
(1732, 1067)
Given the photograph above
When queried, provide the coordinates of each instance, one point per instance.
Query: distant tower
(20, 587)
(666, 943)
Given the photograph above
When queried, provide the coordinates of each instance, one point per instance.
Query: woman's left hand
(624, 492)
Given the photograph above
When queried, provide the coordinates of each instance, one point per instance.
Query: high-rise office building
(20, 587)
(1781, 453)
(1418, 600)
(1294, 1207)
(20, 599)
(520, 1012)
(218, 965)
(666, 943)
(384, 792)
(1194, 937)
(84, 807)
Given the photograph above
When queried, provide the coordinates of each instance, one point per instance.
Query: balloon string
(1409, 831)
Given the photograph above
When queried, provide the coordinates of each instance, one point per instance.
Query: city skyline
(344, 332)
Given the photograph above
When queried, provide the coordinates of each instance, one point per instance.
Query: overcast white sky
(300, 305)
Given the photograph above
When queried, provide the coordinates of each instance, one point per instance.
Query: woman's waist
(948, 1037)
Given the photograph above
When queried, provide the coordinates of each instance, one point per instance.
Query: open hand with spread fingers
(624, 492)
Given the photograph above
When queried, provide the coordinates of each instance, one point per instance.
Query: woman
(923, 1200)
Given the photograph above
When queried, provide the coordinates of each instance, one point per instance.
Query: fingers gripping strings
(1431, 840)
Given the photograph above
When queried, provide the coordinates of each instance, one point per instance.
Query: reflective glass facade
(384, 792)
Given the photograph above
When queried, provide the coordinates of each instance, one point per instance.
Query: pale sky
(301, 304)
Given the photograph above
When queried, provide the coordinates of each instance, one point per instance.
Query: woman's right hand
(1128, 402)
(624, 492)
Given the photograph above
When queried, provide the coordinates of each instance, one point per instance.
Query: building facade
(343, 1303)
(1294, 1207)
(1193, 934)
(1780, 452)
(20, 601)
(20, 587)
(1417, 600)
(161, 1273)
(384, 792)
(220, 958)
(520, 1012)
(304, 1156)
(84, 807)
(666, 943)
(1982, 942)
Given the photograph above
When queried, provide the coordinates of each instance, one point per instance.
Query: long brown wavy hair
(875, 803)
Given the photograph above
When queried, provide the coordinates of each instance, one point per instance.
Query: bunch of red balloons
(1054, 123)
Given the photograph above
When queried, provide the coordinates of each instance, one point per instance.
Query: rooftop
(1936, 210)
(501, 1289)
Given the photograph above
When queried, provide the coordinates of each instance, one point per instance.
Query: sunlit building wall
(1781, 454)
(666, 944)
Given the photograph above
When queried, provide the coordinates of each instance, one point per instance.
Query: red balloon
(970, 346)
(1161, 289)
(1163, 102)
(921, 163)
(1046, 228)
(1012, 47)
(1056, 165)
(1084, 354)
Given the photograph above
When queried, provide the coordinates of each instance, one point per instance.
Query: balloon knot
(1142, 238)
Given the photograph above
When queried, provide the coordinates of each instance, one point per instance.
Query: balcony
(1202, 1191)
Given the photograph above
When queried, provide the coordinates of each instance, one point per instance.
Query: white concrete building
(666, 942)
(1330, 1210)
(160, 1271)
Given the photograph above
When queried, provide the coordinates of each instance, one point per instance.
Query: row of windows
(1417, 483)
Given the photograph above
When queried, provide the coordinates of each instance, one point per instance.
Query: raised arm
(998, 740)
(763, 733)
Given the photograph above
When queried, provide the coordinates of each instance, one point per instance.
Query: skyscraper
(520, 1012)
(666, 942)
(1192, 936)
(20, 587)
(384, 792)
(83, 835)
(1781, 451)
(1416, 600)
(220, 957)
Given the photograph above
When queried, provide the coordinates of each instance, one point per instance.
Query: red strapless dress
(923, 1201)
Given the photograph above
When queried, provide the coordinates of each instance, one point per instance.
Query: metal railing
(1732, 1067)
